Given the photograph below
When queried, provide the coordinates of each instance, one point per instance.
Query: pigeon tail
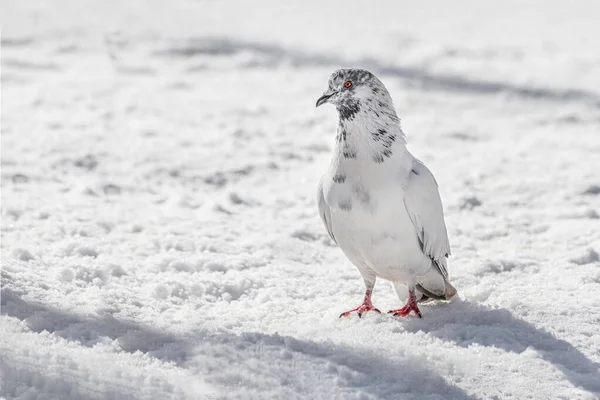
(449, 293)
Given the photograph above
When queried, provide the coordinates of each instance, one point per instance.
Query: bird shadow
(465, 323)
(243, 359)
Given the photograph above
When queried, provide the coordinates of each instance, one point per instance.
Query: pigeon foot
(363, 308)
(411, 305)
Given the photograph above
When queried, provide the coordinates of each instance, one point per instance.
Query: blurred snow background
(160, 238)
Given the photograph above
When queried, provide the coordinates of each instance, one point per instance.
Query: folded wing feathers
(424, 206)
(324, 211)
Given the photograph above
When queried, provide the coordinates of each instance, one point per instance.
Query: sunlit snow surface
(160, 238)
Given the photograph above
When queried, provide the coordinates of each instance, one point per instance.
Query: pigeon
(379, 203)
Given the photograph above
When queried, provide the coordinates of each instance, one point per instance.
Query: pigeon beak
(323, 99)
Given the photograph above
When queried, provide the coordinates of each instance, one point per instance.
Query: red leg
(411, 305)
(363, 308)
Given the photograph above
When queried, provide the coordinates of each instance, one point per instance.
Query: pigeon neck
(370, 135)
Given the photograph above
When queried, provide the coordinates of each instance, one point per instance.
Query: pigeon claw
(360, 310)
(405, 311)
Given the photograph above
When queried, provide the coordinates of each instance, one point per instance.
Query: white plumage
(379, 203)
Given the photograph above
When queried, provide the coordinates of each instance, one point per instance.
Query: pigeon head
(352, 90)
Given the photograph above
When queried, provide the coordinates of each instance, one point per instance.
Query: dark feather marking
(345, 205)
(421, 246)
(349, 109)
(378, 158)
(349, 153)
(339, 178)
(387, 140)
(342, 135)
(379, 135)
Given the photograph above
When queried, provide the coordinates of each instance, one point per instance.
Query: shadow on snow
(466, 323)
(273, 55)
(250, 363)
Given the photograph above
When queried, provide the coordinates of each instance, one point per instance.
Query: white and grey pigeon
(378, 202)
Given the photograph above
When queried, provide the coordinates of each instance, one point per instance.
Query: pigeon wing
(324, 211)
(424, 206)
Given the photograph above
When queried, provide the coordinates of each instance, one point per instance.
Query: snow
(160, 238)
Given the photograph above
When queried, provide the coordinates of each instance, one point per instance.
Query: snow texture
(160, 237)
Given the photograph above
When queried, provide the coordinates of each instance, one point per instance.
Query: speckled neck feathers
(369, 129)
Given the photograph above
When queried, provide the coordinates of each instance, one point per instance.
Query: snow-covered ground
(160, 238)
